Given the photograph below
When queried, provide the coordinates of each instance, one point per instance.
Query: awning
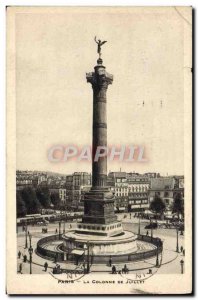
(148, 212)
(77, 252)
(119, 208)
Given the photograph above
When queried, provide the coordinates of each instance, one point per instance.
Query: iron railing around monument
(58, 255)
(51, 254)
(157, 242)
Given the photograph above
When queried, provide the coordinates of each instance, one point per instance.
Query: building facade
(138, 193)
(63, 195)
(75, 184)
(117, 181)
(166, 188)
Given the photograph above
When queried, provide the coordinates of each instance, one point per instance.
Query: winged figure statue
(99, 43)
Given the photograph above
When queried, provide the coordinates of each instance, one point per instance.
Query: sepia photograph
(99, 150)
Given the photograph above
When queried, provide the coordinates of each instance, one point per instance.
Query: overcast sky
(144, 53)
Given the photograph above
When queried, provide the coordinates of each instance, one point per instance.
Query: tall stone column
(99, 216)
(100, 80)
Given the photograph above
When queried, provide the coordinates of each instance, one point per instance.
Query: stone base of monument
(99, 248)
(108, 230)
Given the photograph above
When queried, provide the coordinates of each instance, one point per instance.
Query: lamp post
(26, 234)
(182, 266)
(177, 240)
(88, 267)
(157, 257)
(64, 221)
(30, 250)
(64, 227)
(151, 223)
(59, 229)
(139, 221)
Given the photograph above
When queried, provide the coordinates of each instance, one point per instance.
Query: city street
(170, 259)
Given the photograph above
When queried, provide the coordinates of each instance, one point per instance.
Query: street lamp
(26, 233)
(157, 257)
(59, 229)
(177, 240)
(64, 221)
(151, 224)
(182, 266)
(87, 248)
(30, 250)
(139, 221)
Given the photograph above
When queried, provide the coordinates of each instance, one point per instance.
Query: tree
(21, 207)
(43, 196)
(157, 206)
(55, 200)
(31, 202)
(178, 206)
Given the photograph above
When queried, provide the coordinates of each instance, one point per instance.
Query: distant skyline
(144, 104)
(47, 171)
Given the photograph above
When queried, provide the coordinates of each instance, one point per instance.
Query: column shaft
(99, 167)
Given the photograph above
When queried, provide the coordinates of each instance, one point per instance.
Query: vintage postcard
(99, 150)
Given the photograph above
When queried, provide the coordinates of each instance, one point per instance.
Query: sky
(145, 104)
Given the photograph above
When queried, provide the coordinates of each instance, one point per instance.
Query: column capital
(100, 77)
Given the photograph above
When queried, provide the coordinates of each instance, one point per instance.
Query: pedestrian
(19, 254)
(77, 260)
(183, 252)
(110, 262)
(181, 248)
(113, 270)
(130, 215)
(147, 233)
(70, 226)
(25, 258)
(84, 263)
(150, 271)
(125, 270)
(20, 268)
(45, 266)
(56, 230)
